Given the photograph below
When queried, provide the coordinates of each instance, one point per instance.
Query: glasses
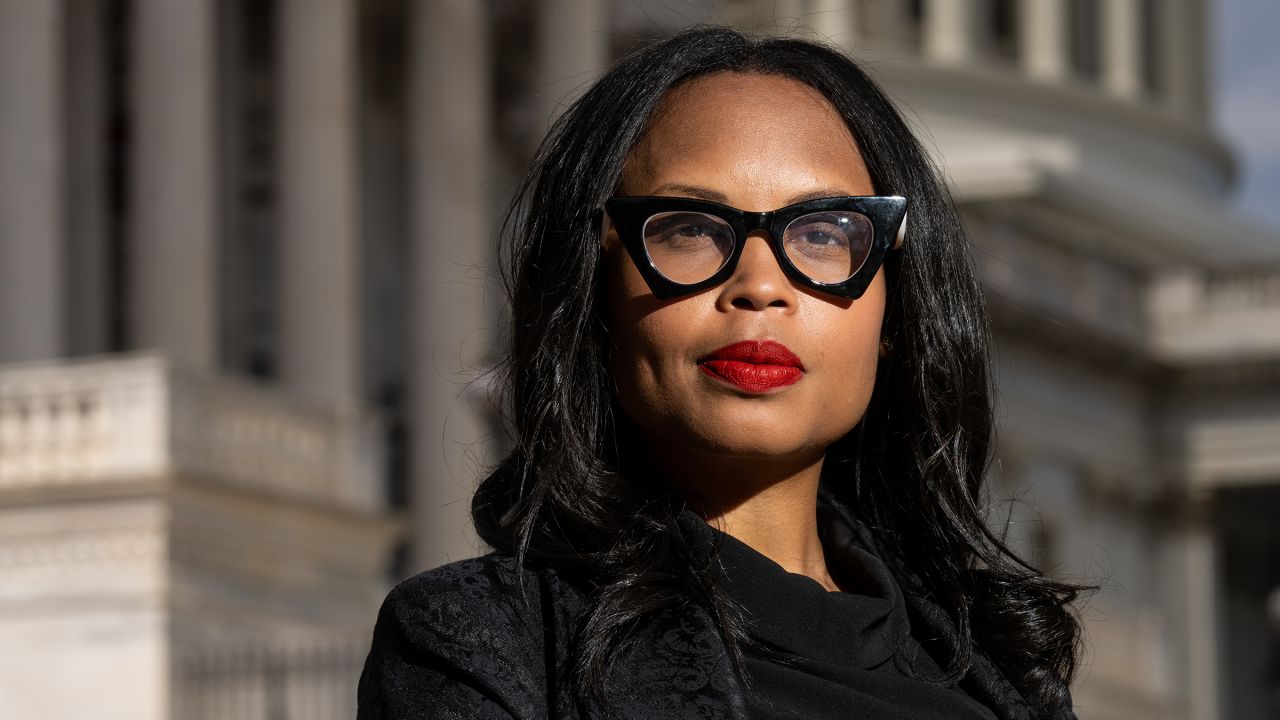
(683, 245)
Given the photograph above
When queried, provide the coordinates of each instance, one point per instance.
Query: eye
(824, 235)
(687, 229)
(829, 246)
(687, 246)
(825, 231)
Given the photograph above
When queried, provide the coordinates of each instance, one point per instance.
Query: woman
(749, 445)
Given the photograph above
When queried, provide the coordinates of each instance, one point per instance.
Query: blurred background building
(246, 313)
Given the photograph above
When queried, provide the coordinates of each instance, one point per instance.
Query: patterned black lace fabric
(463, 641)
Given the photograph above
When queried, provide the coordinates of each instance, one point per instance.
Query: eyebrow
(719, 197)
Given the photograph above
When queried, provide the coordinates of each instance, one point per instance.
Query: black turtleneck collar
(828, 654)
(795, 613)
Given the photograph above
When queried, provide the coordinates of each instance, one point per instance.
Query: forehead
(746, 131)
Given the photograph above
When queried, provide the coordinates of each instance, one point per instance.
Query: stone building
(245, 319)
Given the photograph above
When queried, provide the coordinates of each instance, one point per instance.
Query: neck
(770, 505)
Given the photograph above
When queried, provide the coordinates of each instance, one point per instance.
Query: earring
(886, 347)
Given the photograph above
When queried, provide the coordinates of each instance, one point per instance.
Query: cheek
(851, 351)
(650, 384)
(635, 335)
(650, 340)
(621, 292)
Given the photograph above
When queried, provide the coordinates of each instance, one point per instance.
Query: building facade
(247, 313)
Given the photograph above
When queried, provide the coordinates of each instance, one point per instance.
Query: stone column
(453, 214)
(173, 198)
(1181, 42)
(1122, 48)
(834, 21)
(32, 235)
(1199, 548)
(951, 30)
(320, 340)
(573, 49)
(1042, 39)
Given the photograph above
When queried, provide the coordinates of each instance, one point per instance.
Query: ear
(902, 233)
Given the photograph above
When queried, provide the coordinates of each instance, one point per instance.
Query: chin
(759, 447)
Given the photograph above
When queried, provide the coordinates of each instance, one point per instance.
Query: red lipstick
(754, 365)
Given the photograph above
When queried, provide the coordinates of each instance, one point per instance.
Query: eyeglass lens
(828, 246)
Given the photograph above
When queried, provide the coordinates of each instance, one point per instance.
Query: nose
(758, 280)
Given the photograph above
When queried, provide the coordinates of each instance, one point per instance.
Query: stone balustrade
(139, 420)
(1249, 291)
(82, 423)
(1232, 452)
(1199, 318)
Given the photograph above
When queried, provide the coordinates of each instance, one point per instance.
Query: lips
(754, 365)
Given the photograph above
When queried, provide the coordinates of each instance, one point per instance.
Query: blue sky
(1245, 47)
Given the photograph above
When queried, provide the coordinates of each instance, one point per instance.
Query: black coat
(460, 642)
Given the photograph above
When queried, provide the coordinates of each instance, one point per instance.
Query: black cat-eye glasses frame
(629, 214)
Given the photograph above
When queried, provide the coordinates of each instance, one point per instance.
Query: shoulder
(473, 630)
(489, 586)
(487, 600)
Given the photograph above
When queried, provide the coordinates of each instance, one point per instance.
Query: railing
(255, 436)
(1243, 291)
(136, 419)
(1196, 317)
(63, 423)
(313, 682)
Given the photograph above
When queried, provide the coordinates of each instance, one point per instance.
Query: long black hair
(570, 493)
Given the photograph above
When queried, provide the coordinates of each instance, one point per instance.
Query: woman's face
(758, 143)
